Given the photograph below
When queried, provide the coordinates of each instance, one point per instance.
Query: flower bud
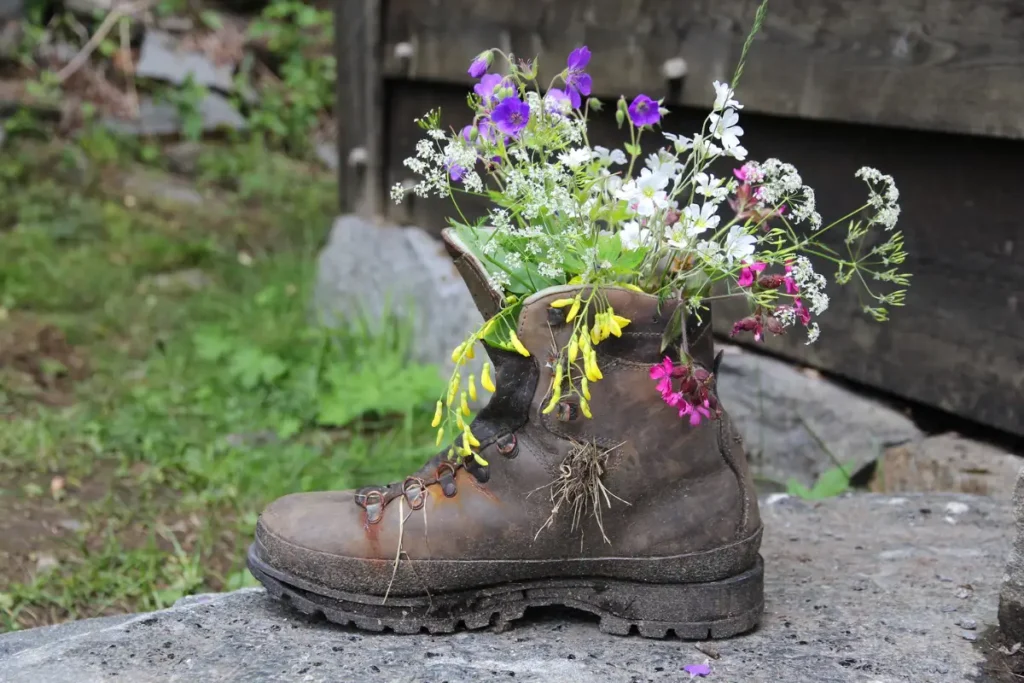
(485, 378)
(472, 387)
(437, 415)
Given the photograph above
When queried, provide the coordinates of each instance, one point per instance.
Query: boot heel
(693, 611)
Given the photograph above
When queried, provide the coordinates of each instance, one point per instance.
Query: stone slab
(791, 419)
(162, 59)
(861, 589)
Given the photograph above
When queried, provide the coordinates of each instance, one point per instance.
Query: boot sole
(692, 611)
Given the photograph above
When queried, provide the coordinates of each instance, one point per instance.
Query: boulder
(370, 271)
(797, 424)
(1011, 597)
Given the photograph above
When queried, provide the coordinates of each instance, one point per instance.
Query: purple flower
(455, 171)
(511, 115)
(577, 81)
(486, 87)
(478, 67)
(557, 101)
(701, 670)
(644, 111)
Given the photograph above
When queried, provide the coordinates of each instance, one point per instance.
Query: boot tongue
(488, 300)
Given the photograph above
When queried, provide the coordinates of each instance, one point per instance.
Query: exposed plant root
(579, 487)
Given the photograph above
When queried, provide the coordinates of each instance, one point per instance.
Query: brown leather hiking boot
(674, 546)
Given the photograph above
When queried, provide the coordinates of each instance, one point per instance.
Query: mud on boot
(632, 514)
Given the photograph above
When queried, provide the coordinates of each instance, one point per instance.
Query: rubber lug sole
(695, 611)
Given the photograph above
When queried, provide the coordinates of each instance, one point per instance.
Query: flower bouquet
(566, 212)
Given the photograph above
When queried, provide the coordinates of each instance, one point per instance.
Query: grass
(161, 380)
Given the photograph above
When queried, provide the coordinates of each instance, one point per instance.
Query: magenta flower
(664, 372)
(749, 324)
(577, 81)
(802, 314)
(695, 670)
(511, 115)
(791, 287)
(644, 111)
(478, 67)
(749, 274)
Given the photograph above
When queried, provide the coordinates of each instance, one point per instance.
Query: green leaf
(795, 488)
(673, 330)
(210, 345)
(211, 19)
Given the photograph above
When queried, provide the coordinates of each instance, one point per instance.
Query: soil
(37, 363)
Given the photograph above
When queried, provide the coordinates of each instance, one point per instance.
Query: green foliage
(832, 482)
(300, 37)
(202, 405)
(187, 99)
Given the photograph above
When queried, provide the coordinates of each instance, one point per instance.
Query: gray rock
(368, 269)
(789, 417)
(161, 187)
(1011, 597)
(162, 119)
(866, 608)
(327, 153)
(947, 462)
(11, 9)
(187, 281)
(160, 58)
(183, 157)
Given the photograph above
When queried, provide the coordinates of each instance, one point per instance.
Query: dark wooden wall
(950, 65)
(958, 344)
(930, 92)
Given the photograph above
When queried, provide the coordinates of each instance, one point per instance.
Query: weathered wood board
(944, 65)
(958, 345)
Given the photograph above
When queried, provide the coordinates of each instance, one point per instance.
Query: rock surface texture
(865, 588)
(1011, 598)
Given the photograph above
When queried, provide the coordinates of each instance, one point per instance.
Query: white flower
(710, 252)
(723, 97)
(680, 142)
(609, 157)
(633, 236)
(645, 195)
(885, 202)
(700, 218)
(725, 127)
(738, 245)
(812, 333)
(665, 163)
(575, 158)
(706, 147)
(609, 183)
(710, 187)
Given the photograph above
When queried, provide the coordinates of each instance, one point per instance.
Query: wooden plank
(359, 104)
(958, 345)
(955, 65)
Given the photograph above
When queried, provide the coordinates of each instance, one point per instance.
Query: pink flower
(748, 324)
(791, 287)
(664, 372)
(749, 274)
(801, 311)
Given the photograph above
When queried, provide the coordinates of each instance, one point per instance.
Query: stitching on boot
(724, 447)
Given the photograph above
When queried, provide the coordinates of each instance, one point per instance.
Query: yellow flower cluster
(581, 345)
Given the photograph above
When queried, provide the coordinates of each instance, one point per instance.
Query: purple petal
(697, 669)
(579, 58)
(485, 88)
(574, 97)
(583, 83)
(478, 67)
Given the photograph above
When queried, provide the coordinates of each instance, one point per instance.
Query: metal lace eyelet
(415, 492)
(556, 316)
(567, 411)
(508, 445)
(373, 503)
(446, 478)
